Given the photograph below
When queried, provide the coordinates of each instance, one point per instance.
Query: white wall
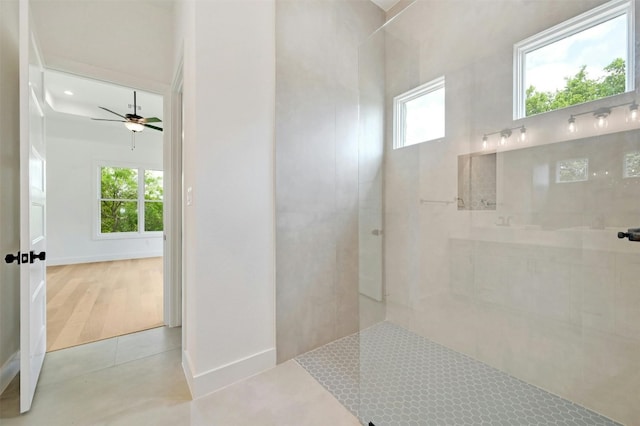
(75, 146)
(229, 101)
(9, 192)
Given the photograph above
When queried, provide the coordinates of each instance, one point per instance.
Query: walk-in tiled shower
(452, 185)
(494, 288)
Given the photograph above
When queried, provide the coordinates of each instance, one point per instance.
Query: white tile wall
(317, 166)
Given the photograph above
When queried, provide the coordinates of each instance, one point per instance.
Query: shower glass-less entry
(505, 294)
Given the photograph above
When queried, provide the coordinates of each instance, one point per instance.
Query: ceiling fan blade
(153, 127)
(106, 119)
(152, 120)
(106, 109)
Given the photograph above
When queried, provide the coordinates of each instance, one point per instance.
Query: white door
(33, 289)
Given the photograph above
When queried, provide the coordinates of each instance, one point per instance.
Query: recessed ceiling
(385, 4)
(130, 42)
(88, 95)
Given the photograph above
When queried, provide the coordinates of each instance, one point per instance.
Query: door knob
(633, 234)
(18, 258)
(376, 232)
(10, 258)
(40, 256)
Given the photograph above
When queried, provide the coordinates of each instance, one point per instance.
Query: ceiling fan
(133, 122)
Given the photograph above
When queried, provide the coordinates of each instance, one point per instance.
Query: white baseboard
(187, 368)
(202, 384)
(9, 370)
(100, 258)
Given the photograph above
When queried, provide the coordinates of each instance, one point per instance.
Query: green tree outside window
(578, 89)
(120, 198)
(152, 200)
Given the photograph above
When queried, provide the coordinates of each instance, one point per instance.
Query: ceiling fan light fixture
(134, 127)
(133, 122)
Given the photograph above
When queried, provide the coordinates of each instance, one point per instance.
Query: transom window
(586, 58)
(130, 200)
(418, 115)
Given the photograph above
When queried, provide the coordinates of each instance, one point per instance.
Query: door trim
(173, 205)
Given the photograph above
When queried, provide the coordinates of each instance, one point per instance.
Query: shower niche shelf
(477, 181)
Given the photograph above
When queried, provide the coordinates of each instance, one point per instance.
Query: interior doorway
(106, 215)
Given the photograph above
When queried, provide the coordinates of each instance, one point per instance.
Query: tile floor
(137, 380)
(390, 376)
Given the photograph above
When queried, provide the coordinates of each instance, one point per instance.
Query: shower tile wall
(552, 299)
(317, 169)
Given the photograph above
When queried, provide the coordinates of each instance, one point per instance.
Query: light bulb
(572, 124)
(485, 143)
(601, 115)
(523, 134)
(133, 126)
(633, 112)
(504, 135)
(601, 122)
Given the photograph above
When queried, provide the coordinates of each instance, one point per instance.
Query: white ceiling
(124, 41)
(89, 94)
(385, 4)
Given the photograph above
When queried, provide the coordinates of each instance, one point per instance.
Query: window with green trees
(578, 89)
(130, 200)
(586, 58)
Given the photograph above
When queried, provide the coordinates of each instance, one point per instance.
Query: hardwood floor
(94, 301)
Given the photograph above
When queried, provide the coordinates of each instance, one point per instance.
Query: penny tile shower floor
(410, 380)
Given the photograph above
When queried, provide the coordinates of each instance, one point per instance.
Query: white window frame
(591, 18)
(400, 111)
(141, 233)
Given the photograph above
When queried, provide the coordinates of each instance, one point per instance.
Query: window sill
(128, 235)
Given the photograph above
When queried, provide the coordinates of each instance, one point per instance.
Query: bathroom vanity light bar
(505, 134)
(601, 116)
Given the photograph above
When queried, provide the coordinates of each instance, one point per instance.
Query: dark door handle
(10, 258)
(633, 234)
(40, 256)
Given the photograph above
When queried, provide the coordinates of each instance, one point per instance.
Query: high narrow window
(586, 58)
(418, 115)
(130, 200)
